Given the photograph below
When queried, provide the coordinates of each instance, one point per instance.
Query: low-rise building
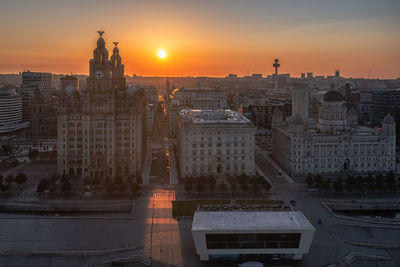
(250, 232)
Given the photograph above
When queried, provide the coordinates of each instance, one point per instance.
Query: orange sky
(212, 38)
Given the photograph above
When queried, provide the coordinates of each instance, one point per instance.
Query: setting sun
(161, 53)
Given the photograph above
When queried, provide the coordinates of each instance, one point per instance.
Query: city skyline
(206, 39)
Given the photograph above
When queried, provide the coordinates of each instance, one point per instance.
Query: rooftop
(250, 221)
(198, 116)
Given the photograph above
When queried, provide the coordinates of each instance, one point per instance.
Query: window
(252, 241)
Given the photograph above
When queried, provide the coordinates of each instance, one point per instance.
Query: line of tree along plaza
(232, 184)
(6, 183)
(369, 183)
(72, 185)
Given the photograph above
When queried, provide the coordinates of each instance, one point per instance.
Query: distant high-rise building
(303, 75)
(101, 129)
(38, 103)
(337, 74)
(310, 75)
(11, 112)
(301, 100)
(36, 84)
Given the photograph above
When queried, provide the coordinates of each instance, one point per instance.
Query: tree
(66, 187)
(21, 178)
(337, 185)
(211, 183)
(319, 180)
(33, 154)
(1, 179)
(245, 187)
(135, 187)
(9, 179)
(233, 188)
(121, 187)
(139, 179)
(111, 187)
(267, 186)
(309, 180)
(43, 185)
(390, 180)
(255, 187)
(86, 180)
(222, 187)
(64, 178)
(370, 182)
(188, 186)
(200, 186)
(5, 187)
(327, 184)
(379, 180)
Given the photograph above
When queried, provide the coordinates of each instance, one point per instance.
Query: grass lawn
(188, 207)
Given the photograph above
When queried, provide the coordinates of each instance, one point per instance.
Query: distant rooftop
(198, 116)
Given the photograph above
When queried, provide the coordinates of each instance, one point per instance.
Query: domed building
(335, 144)
(101, 128)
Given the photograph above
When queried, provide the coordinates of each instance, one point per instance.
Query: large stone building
(193, 98)
(215, 143)
(333, 145)
(100, 129)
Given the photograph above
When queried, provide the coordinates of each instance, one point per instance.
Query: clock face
(99, 74)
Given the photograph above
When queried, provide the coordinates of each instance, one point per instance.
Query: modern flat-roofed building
(215, 143)
(250, 232)
(11, 112)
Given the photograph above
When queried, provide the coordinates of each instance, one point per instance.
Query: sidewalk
(173, 170)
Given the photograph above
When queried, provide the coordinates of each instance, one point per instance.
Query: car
(279, 174)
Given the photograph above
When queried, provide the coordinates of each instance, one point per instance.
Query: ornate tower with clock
(100, 132)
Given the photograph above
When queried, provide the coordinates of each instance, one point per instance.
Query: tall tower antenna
(276, 65)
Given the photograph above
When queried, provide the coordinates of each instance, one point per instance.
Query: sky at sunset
(207, 37)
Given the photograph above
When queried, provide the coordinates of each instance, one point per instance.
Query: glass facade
(253, 241)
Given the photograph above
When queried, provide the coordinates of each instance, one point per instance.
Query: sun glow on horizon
(161, 53)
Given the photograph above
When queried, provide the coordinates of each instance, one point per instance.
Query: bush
(255, 188)
(188, 186)
(21, 178)
(309, 180)
(337, 185)
(233, 188)
(9, 179)
(111, 187)
(200, 186)
(211, 183)
(43, 185)
(135, 187)
(222, 186)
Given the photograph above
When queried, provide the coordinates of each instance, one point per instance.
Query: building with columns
(101, 128)
(336, 144)
(215, 143)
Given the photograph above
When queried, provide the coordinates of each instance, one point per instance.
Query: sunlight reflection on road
(162, 240)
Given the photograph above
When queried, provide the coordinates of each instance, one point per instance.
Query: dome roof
(333, 96)
(70, 89)
(388, 119)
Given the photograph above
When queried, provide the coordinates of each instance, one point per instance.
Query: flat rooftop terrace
(282, 219)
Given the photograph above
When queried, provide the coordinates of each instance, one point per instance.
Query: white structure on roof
(336, 144)
(239, 234)
(215, 142)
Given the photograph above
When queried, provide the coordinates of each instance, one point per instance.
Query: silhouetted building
(101, 128)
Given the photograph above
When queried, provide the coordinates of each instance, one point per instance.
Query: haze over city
(205, 38)
(199, 133)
